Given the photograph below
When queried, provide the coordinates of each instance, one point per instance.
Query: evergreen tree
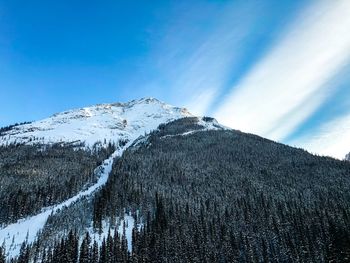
(84, 256)
(23, 253)
(2, 255)
(72, 248)
(94, 253)
(103, 252)
(43, 257)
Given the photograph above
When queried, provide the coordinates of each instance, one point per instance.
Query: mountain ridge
(100, 123)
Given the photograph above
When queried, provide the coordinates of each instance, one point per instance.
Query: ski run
(13, 235)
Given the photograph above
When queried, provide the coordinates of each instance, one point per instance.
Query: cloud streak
(197, 63)
(207, 69)
(284, 88)
(332, 139)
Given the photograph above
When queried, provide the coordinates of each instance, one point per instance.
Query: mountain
(184, 189)
(70, 155)
(100, 123)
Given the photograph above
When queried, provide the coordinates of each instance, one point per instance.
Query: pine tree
(72, 248)
(103, 252)
(94, 253)
(2, 255)
(110, 246)
(116, 247)
(124, 245)
(43, 257)
(36, 249)
(23, 253)
(84, 256)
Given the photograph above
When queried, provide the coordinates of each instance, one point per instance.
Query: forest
(37, 176)
(210, 196)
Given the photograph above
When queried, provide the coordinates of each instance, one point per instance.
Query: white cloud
(199, 103)
(332, 139)
(207, 69)
(196, 64)
(288, 84)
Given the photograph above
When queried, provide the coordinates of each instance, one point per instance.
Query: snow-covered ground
(127, 222)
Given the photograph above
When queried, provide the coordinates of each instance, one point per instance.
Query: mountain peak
(97, 123)
(148, 100)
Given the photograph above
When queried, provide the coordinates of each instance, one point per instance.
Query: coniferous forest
(204, 196)
(37, 176)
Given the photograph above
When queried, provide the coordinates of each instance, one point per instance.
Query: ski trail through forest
(26, 229)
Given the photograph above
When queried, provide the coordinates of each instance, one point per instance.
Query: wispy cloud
(196, 63)
(332, 139)
(283, 89)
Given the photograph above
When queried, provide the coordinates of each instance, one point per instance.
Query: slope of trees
(5, 129)
(228, 196)
(33, 177)
(214, 196)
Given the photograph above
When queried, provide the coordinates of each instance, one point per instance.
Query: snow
(207, 126)
(127, 220)
(99, 123)
(129, 223)
(211, 125)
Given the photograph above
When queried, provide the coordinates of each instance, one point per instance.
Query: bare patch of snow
(126, 222)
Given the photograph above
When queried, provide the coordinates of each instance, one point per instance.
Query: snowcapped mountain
(99, 123)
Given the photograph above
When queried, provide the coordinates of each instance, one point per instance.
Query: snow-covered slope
(103, 123)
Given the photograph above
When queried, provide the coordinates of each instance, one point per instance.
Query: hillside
(226, 196)
(101, 123)
(184, 190)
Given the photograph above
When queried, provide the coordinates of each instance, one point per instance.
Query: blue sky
(279, 69)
